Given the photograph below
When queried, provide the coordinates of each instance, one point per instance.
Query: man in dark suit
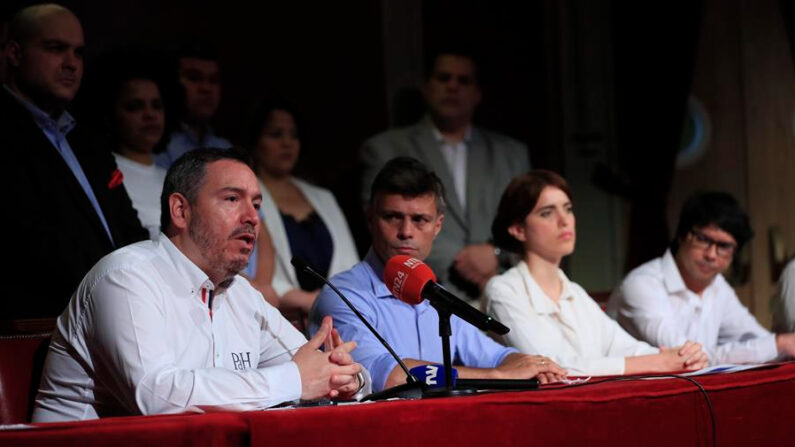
(65, 204)
(474, 164)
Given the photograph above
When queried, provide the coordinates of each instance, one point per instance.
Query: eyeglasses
(703, 242)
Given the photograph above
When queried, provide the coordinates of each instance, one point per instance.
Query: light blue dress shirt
(55, 131)
(412, 331)
(184, 140)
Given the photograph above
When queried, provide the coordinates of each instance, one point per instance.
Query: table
(755, 407)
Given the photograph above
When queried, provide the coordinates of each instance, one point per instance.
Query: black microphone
(412, 382)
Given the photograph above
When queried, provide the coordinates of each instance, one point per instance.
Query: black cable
(700, 388)
(644, 377)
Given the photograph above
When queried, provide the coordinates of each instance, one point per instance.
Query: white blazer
(344, 252)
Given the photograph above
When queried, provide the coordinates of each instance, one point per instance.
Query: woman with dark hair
(301, 219)
(547, 313)
(130, 107)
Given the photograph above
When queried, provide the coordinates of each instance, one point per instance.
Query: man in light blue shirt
(199, 73)
(405, 215)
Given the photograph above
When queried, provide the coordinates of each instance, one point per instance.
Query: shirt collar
(192, 276)
(63, 125)
(191, 135)
(379, 289)
(671, 276)
(437, 135)
(542, 304)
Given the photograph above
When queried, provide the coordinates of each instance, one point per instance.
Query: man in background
(199, 73)
(474, 165)
(66, 206)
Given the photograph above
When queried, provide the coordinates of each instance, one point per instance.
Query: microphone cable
(698, 385)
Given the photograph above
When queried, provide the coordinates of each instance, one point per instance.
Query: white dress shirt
(144, 184)
(784, 303)
(574, 332)
(455, 155)
(139, 337)
(654, 305)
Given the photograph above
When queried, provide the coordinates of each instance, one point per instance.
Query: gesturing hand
(326, 374)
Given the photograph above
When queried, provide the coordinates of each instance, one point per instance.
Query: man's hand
(476, 263)
(785, 343)
(523, 366)
(326, 374)
(340, 355)
(693, 355)
(688, 357)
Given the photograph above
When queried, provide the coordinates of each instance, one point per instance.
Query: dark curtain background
(654, 51)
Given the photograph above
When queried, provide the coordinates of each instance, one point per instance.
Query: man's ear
(438, 227)
(179, 207)
(13, 53)
(517, 231)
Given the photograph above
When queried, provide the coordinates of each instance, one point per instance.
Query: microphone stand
(445, 331)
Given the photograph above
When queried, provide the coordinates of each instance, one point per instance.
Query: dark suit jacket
(492, 161)
(53, 234)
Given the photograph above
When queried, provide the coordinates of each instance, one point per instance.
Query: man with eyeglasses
(683, 296)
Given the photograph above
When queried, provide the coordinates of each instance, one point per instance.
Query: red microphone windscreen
(405, 277)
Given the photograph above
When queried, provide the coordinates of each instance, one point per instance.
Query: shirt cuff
(607, 366)
(380, 371)
(284, 381)
(772, 350)
(501, 358)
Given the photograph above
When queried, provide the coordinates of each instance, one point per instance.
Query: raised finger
(321, 335)
(336, 338)
(328, 346)
(348, 346)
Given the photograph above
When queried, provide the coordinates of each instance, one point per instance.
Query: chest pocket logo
(241, 360)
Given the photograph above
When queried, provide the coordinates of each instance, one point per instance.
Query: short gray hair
(186, 176)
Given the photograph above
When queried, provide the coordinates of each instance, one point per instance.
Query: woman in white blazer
(547, 313)
(300, 218)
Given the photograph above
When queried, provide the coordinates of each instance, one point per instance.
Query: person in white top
(784, 303)
(168, 326)
(683, 295)
(132, 108)
(301, 219)
(547, 313)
